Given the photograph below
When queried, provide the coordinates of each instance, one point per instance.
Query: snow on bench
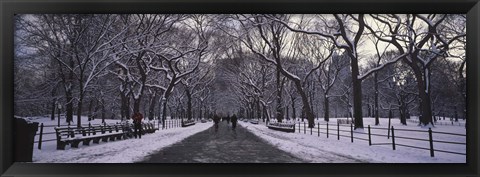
(74, 135)
(188, 123)
(286, 127)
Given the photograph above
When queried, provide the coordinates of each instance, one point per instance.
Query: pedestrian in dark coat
(137, 124)
(216, 120)
(234, 121)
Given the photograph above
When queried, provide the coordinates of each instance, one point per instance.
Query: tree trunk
(326, 108)
(377, 119)
(164, 114)
(357, 94)
(79, 108)
(252, 109)
(279, 113)
(54, 106)
(306, 106)
(151, 109)
(259, 111)
(136, 104)
(456, 114)
(311, 96)
(69, 94)
(159, 116)
(425, 102)
(403, 110)
(127, 107)
(287, 112)
(205, 112)
(80, 99)
(294, 115)
(90, 105)
(189, 104)
(95, 110)
(122, 106)
(54, 103)
(103, 110)
(368, 107)
(200, 111)
(69, 106)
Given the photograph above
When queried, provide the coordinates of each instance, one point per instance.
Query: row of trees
(297, 46)
(124, 62)
(256, 65)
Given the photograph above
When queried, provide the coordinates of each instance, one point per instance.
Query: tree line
(260, 66)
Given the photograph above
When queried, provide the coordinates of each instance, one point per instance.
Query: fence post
(388, 133)
(318, 127)
(89, 128)
(304, 128)
(40, 137)
(351, 132)
(299, 127)
(311, 130)
(369, 136)
(338, 131)
(431, 142)
(393, 138)
(327, 129)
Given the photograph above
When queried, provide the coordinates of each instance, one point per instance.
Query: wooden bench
(285, 127)
(74, 135)
(148, 128)
(188, 123)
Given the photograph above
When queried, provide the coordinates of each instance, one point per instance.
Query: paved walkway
(222, 146)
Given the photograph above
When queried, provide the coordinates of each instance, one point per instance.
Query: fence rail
(336, 130)
(449, 123)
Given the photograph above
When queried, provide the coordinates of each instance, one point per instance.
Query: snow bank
(320, 149)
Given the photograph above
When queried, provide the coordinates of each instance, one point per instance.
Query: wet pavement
(223, 146)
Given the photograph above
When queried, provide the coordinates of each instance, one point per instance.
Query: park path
(223, 146)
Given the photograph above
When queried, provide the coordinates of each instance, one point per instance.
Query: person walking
(137, 124)
(216, 120)
(234, 121)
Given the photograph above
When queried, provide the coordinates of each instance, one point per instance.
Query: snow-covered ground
(314, 148)
(305, 146)
(120, 151)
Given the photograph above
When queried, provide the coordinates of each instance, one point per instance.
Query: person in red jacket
(137, 124)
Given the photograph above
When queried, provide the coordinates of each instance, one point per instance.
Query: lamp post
(59, 106)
